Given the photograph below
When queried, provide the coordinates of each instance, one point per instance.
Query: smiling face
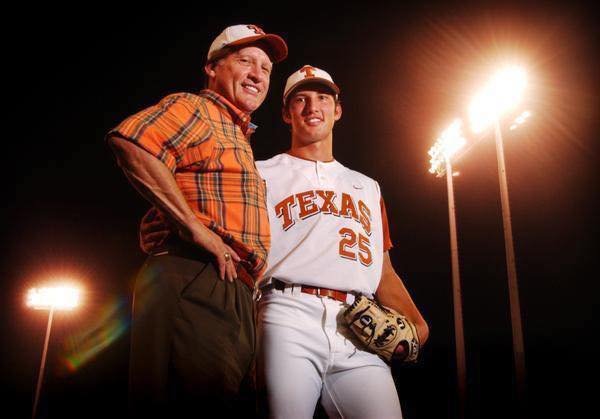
(242, 77)
(312, 111)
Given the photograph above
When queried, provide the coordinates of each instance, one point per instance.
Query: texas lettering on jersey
(306, 204)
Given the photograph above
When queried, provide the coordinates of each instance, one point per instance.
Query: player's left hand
(400, 353)
(382, 330)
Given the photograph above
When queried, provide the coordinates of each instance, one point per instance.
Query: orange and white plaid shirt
(204, 140)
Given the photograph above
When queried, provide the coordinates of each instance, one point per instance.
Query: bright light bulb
(59, 298)
(520, 120)
(502, 93)
(446, 146)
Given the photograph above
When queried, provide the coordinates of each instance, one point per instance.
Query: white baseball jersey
(326, 224)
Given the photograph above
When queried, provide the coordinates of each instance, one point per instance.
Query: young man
(193, 335)
(330, 242)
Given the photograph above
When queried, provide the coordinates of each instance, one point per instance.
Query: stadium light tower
(503, 92)
(62, 297)
(446, 146)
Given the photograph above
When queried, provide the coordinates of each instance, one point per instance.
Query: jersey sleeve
(165, 130)
(387, 242)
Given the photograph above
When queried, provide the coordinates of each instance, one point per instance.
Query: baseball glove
(382, 329)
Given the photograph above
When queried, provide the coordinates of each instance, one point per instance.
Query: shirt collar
(333, 166)
(240, 118)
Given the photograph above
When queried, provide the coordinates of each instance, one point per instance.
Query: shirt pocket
(232, 156)
(199, 150)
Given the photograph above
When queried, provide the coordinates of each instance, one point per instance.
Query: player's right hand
(198, 234)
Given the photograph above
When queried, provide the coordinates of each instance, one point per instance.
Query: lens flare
(111, 323)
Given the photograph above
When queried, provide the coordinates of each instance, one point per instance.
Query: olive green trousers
(192, 341)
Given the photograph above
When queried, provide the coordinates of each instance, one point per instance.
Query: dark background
(405, 72)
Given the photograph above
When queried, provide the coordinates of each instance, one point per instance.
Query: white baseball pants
(303, 355)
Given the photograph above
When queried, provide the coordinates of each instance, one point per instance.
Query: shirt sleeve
(387, 242)
(166, 130)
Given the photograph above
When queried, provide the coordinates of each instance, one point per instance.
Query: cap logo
(308, 71)
(256, 29)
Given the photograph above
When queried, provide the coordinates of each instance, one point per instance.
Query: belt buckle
(257, 294)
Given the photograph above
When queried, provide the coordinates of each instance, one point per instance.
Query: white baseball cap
(309, 74)
(238, 35)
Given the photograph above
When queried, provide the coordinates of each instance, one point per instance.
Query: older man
(193, 334)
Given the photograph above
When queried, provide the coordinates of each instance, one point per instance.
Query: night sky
(405, 73)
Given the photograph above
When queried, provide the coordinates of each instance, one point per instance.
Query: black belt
(185, 250)
(180, 248)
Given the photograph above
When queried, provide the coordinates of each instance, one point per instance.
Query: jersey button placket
(320, 175)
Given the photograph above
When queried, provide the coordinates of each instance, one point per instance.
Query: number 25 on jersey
(348, 245)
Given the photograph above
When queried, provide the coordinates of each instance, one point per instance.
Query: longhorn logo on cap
(308, 71)
(256, 29)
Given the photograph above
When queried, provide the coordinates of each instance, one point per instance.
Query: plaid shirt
(204, 140)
